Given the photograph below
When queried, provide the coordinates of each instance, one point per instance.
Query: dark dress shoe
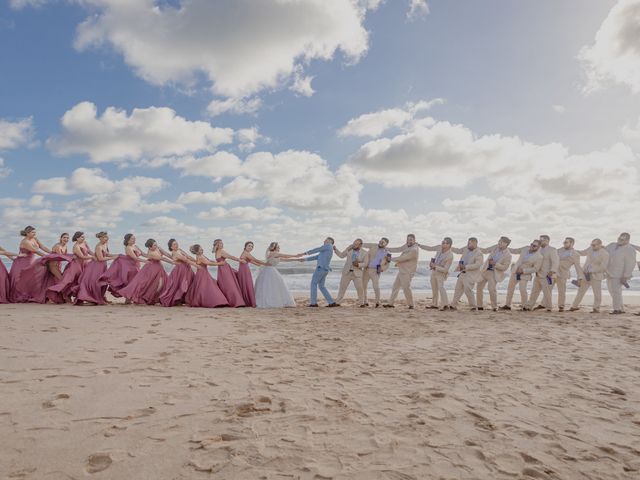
(388, 306)
(505, 307)
(312, 305)
(334, 304)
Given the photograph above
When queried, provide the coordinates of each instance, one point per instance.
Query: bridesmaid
(52, 262)
(180, 278)
(4, 276)
(227, 279)
(148, 284)
(244, 275)
(204, 291)
(23, 285)
(124, 268)
(67, 287)
(91, 290)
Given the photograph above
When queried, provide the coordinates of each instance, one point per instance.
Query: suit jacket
(622, 261)
(550, 261)
(363, 260)
(407, 262)
(443, 266)
(596, 263)
(373, 250)
(473, 265)
(565, 264)
(501, 266)
(529, 265)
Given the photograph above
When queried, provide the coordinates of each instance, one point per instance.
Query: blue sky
(537, 126)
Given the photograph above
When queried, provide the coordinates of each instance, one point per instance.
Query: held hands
(432, 265)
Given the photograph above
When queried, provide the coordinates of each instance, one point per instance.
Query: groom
(323, 257)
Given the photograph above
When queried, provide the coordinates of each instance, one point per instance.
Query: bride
(271, 291)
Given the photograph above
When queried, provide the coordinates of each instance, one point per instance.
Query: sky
(291, 120)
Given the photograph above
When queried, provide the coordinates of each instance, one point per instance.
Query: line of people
(539, 263)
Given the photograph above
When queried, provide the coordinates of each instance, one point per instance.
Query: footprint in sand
(119, 354)
(130, 341)
(98, 462)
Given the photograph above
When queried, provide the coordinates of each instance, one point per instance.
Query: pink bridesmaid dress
(148, 284)
(68, 286)
(20, 277)
(90, 288)
(228, 283)
(180, 279)
(36, 279)
(4, 284)
(122, 270)
(245, 280)
(204, 291)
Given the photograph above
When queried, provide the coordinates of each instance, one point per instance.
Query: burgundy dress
(122, 270)
(180, 280)
(38, 277)
(204, 291)
(245, 280)
(4, 284)
(228, 283)
(148, 284)
(20, 291)
(68, 286)
(90, 288)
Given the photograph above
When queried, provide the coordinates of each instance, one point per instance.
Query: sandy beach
(126, 392)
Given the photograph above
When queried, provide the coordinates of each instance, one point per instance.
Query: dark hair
(127, 237)
(411, 235)
(62, 235)
(170, 242)
(571, 239)
(215, 242)
(246, 244)
(358, 240)
(101, 234)
(27, 230)
(331, 240)
(506, 240)
(597, 240)
(546, 237)
(473, 239)
(149, 243)
(272, 247)
(195, 248)
(385, 239)
(536, 241)
(625, 235)
(77, 235)
(447, 240)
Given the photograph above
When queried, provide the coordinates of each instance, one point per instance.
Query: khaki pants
(464, 285)
(371, 274)
(540, 284)
(489, 279)
(562, 291)
(522, 284)
(614, 286)
(596, 286)
(402, 281)
(346, 279)
(439, 295)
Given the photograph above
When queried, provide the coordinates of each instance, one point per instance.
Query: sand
(127, 392)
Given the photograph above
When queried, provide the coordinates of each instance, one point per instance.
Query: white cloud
(246, 214)
(146, 132)
(631, 132)
(615, 55)
(15, 134)
(559, 108)
(417, 8)
(248, 137)
(234, 105)
(376, 123)
(4, 171)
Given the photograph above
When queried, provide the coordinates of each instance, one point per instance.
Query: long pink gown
(68, 286)
(4, 284)
(180, 280)
(204, 291)
(20, 291)
(148, 284)
(90, 288)
(228, 283)
(245, 280)
(36, 279)
(120, 274)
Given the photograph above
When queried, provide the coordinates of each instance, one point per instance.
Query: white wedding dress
(271, 291)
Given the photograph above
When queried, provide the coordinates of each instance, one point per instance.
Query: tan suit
(371, 273)
(351, 273)
(407, 264)
(491, 278)
(567, 259)
(439, 275)
(594, 269)
(529, 266)
(622, 261)
(550, 263)
(473, 261)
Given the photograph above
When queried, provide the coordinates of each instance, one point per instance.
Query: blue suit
(323, 257)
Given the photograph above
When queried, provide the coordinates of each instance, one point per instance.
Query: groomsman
(493, 272)
(357, 259)
(593, 273)
(439, 266)
(529, 262)
(545, 275)
(323, 259)
(469, 267)
(568, 257)
(622, 261)
(407, 264)
(378, 263)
